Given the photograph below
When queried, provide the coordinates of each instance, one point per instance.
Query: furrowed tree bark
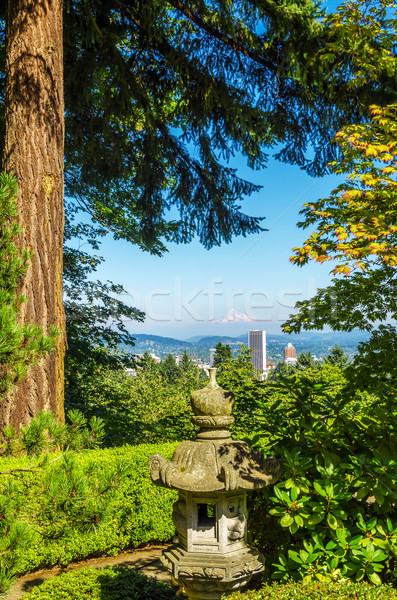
(34, 138)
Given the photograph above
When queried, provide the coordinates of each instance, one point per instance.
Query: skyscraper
(257, 345)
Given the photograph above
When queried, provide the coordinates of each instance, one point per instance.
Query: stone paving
(146, 560)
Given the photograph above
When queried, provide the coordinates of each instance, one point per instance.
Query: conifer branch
(234, 44)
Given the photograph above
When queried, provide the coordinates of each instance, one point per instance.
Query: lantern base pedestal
(207, 576)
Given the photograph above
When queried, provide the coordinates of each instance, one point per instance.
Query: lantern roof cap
(213, 462)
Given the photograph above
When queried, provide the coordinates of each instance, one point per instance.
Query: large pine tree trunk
(34, 153)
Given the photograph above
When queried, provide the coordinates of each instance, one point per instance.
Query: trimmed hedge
(135, 512)
(113, 583)
(123, 583)
(319, 590)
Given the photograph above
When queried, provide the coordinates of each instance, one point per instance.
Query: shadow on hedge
(123, 583)
(112, 583)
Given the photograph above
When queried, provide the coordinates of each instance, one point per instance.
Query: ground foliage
(223, 352)
(34, 442)
(335, 502)
(151, 406)
(319, 591)
(135, 410)
(238, 375)
(330, 517)
(118, 583)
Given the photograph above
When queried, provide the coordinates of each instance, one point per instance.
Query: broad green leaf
(332, 521)
(298, 519)
(283, 559)
(286, 521)
(379, 497)
(315, 519)
(319, 489)
(303, 555)
(294, 556)
(334, 563)
(341, 514)
(293, 527)
(374, 577)
(360, 522)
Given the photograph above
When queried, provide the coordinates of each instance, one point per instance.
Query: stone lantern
(212, 475)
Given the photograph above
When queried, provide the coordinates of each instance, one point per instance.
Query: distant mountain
(161, 346)
(195, 338)
(234, 316)
(212, 340)
(143, 338)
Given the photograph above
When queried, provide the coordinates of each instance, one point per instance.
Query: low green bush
(346, 590)
(333, 514)
(122, 510)
(113, 583)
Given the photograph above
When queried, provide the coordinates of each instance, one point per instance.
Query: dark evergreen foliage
(66, 488)
(160, 95)
(223, 352)
(96, 316)
(337, 357)
(146, 363)
(169, 369)
(305, 360)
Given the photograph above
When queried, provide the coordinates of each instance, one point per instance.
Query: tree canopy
(159, 96)
(356, 229)
(356, 225)
(337, 357)
(223, 352)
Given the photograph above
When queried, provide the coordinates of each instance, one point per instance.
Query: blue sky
(191, 291)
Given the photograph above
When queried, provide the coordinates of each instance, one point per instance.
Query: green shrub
(37, 440)
(131, 512)
(135, 410)
(113, 583)
(333, 514)
(319, 591)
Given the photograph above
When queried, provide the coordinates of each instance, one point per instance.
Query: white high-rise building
(257, 345)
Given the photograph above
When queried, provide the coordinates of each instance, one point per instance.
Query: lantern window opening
(206, 515)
